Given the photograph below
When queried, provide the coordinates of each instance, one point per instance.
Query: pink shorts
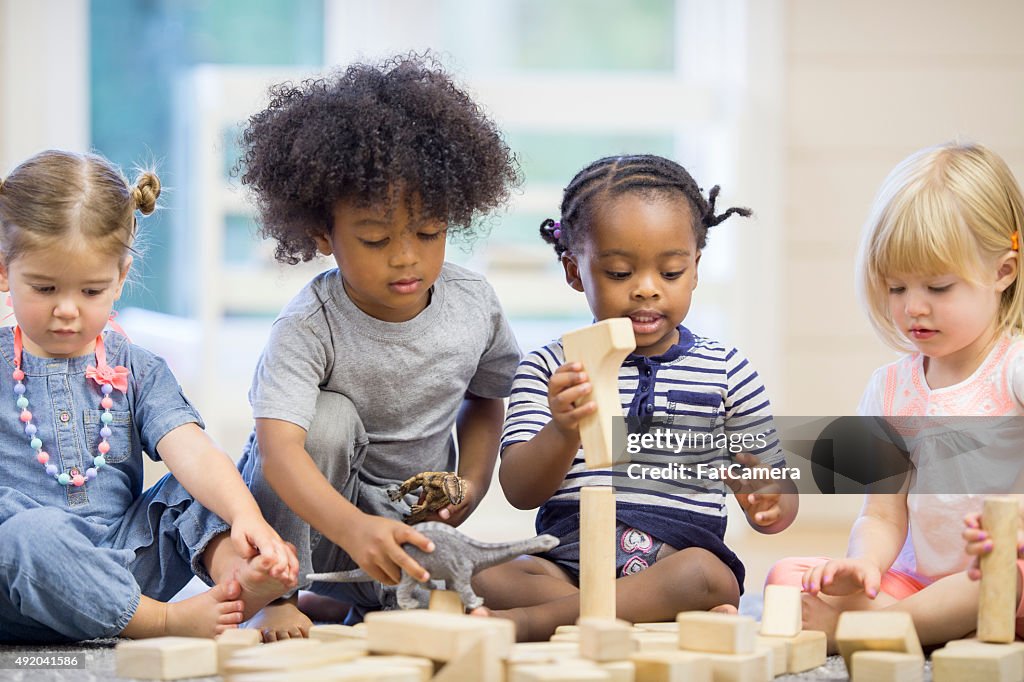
(896, 584)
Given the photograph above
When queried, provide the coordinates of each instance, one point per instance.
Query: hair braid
(615, 175)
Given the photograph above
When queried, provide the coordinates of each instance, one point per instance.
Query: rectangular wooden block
(277, 657)
(333, 632)
(167, 658)
(671, 666)
(886, 666)
(876, 631)
(716, 632)
(438, 636)
(232, 641)
(605, 640)
(754, 667)
(782, 614)
(447, 601)
(542, 652)
(997, 599)
(978, 661)
(805, 651)
(658, 627)
(656, 641)
(597, 552)
(557, 672)
(777, 646)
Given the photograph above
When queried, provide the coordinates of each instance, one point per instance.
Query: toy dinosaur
(440, 488)
(455, 559)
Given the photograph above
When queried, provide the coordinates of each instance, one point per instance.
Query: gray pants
(337, 443)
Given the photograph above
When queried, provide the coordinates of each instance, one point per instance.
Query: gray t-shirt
(407, 380)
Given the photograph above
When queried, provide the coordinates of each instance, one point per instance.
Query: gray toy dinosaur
(455, 559)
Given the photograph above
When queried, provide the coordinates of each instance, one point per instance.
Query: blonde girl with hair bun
(939, 274)
(85, 552)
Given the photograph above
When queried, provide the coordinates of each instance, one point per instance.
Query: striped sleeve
(528, 409)
(748, 412)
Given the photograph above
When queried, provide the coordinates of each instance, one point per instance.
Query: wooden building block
(335, 632)
(805, 651)
(542, 652)
(656, 641)
(423, 666)
(566, 638)
(605, 640)
(997, 601)
(619, 671)
(339, 672)
(563, 629)
(671, 666)
(1016, 647)
(886, 666)
(782, 614)
(658, 627)
(754, 667)
(273, 657)
(601, 348)
(719, 633)
(982, 661)
(167, 658)
(1015, 650)
(446, 601)
(234, 640)
(477, 663)
(777, 646)
(558, 672)
(876, 631)
(597, 552)
(438, 636)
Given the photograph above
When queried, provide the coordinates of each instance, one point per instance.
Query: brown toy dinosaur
(440, 488)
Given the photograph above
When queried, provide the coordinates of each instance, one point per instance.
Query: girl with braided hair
(630, 237)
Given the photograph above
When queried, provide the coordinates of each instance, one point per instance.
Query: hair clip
(1015, 241)
(556, 229)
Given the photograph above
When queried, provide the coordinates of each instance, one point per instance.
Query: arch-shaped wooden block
(601, 348)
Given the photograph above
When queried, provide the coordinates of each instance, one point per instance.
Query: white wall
(44, 78)
(866, 83)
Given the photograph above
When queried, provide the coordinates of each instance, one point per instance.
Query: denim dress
(75, 560)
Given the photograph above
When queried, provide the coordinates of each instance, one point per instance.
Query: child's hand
(453, 514)
(979, 543)
(759, 499)
(252, 535)
(376, 545)
(840, 577)
(567, 385)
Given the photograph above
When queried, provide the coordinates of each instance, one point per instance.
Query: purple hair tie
(557, 230)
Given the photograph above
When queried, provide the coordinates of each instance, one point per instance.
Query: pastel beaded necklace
(108, 379)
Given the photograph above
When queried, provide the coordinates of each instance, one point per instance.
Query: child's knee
(336, 434)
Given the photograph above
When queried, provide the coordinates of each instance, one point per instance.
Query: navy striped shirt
(697, 386)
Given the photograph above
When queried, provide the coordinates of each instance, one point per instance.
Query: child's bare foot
(281, 620)
(725, 608)
(204, 615)
(259, 588)
(817, 615)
